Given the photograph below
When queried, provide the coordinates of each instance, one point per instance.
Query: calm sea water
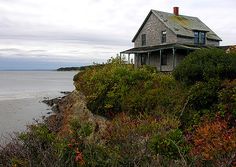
(21, 93)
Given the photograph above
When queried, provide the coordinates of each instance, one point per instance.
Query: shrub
(36, 147)
(130, 135)
(208, 99)
(203, 95)
(205, 64)
(227, 98)
(117, 87)
(170, 144)
(214, 142)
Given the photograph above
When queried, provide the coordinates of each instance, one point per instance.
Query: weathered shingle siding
(188, 40)
(185, 40)
(213, 42)
(153, 29)
(154, 59)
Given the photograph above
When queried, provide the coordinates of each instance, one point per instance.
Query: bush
(203, 95)
(201, 102)
(214, 142)
(36, 147)
(170, 144)
(118, 87)
(205, 64)
(130, 135)
(227, 98)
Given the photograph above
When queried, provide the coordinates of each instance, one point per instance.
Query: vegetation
(117, 87)
(205, 64)
(153, 119)
(81, 68)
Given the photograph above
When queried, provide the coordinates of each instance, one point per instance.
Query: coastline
(21, 96)
(72, 105)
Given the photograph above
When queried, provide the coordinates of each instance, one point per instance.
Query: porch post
(160, 58)
(148, 58)
(136, 60)
(173, 57)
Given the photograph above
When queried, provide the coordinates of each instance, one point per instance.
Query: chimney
(176, 11)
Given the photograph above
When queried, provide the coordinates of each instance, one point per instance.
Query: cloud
(63, 30)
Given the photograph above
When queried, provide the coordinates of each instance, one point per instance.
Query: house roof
(162, 47)
(181, 25)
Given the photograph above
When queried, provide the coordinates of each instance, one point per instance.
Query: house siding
(213, 42)
(185, 40)
(153, 29)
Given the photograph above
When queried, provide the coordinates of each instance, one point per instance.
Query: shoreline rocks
(72, 105)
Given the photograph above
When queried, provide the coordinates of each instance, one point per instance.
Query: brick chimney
(176, 11)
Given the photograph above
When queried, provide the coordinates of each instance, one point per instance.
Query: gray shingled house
(164, 39)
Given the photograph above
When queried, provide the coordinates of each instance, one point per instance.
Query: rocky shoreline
(64, 108)
(58, 106)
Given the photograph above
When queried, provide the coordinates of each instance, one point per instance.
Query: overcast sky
(43, 34)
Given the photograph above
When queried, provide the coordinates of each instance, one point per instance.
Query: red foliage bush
(215, 141)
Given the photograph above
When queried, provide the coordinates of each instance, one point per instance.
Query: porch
(164, 57)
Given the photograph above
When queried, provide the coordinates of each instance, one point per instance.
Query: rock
(65, 92)
(67, 107)
(55, 108)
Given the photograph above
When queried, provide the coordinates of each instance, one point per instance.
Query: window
(163, 37)
(199, 37)
(164, 59)
(143, 39)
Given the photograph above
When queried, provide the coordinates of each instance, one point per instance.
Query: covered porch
(163, 57)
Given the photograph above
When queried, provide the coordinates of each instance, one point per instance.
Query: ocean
(21, 93)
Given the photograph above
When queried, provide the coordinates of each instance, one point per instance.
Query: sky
(48, 34)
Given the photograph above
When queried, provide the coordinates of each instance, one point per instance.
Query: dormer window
(143, 39)
(199, 38)
(163, 37)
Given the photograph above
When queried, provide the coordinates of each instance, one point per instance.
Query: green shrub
(80, 129)
(118, 87)
(227, 97)
(107, 88)
(205, 64)
(201, 102)
(171, 144)
(203, 95)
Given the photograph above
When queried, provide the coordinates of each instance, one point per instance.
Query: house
(164, 39)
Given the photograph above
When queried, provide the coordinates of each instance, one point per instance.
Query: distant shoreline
(29, 70)
(81, 68)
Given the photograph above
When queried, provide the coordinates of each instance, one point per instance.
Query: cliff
(69, 107)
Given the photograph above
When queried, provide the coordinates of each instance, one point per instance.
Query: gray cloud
(71, 30)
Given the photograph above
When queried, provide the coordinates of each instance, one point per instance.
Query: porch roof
(160, 47)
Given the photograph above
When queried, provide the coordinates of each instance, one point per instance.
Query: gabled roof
(181, 25)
